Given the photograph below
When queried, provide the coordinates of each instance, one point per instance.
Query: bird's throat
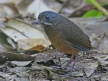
(46, 23)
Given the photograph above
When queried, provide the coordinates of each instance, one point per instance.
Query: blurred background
(69, 8)
(16, 17)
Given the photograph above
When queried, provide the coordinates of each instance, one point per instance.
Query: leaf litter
(46, 65)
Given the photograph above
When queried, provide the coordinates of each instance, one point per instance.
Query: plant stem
(99, 7)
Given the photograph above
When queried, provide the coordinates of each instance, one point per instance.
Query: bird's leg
(76, 57)
(71, 59)
(72, 65)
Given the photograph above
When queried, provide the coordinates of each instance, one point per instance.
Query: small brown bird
(65, 35)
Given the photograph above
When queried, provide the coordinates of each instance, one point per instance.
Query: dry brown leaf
(33, 44)
(38, 48)
(26, 35)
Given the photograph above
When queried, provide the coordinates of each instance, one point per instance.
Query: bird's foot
(63, 71)
(68, 69)
(65, 67)
(66, 75)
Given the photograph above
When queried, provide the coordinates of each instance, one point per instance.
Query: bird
(64, 34)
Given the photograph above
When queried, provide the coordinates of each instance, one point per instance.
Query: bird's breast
(58, 40)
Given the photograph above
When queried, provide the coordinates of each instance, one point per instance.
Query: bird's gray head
(48, 17)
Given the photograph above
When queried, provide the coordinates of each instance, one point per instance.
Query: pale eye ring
(47, 17)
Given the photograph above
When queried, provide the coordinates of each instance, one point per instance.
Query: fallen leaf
(38, 6)
(40, 67)
(20, 63)
(46, 72)
(26, 35)
(104, 77)
(4, 45)
(11, 43)
(33, 44)
(4, 75)
(8, 1)
(53, 4)
(8, 10)
(94, 40)
(103, 44)
(101, 61)
(11, 10)
(89, 68)
(42, 57)
(23, 5)
(77, 74)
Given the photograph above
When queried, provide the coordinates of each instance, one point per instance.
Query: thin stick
(99, 7)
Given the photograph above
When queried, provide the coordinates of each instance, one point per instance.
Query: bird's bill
(40, 22)
(35, 22)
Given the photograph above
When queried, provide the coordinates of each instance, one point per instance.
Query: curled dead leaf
(26, 35)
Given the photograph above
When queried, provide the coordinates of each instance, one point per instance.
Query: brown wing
(76, 36)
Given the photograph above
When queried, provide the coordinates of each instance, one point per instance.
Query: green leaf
(103, 3)
(92, 13)
(88, 1)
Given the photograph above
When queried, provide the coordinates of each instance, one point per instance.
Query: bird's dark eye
(47, 17)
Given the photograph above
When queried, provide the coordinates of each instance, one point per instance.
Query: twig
(15, 57)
